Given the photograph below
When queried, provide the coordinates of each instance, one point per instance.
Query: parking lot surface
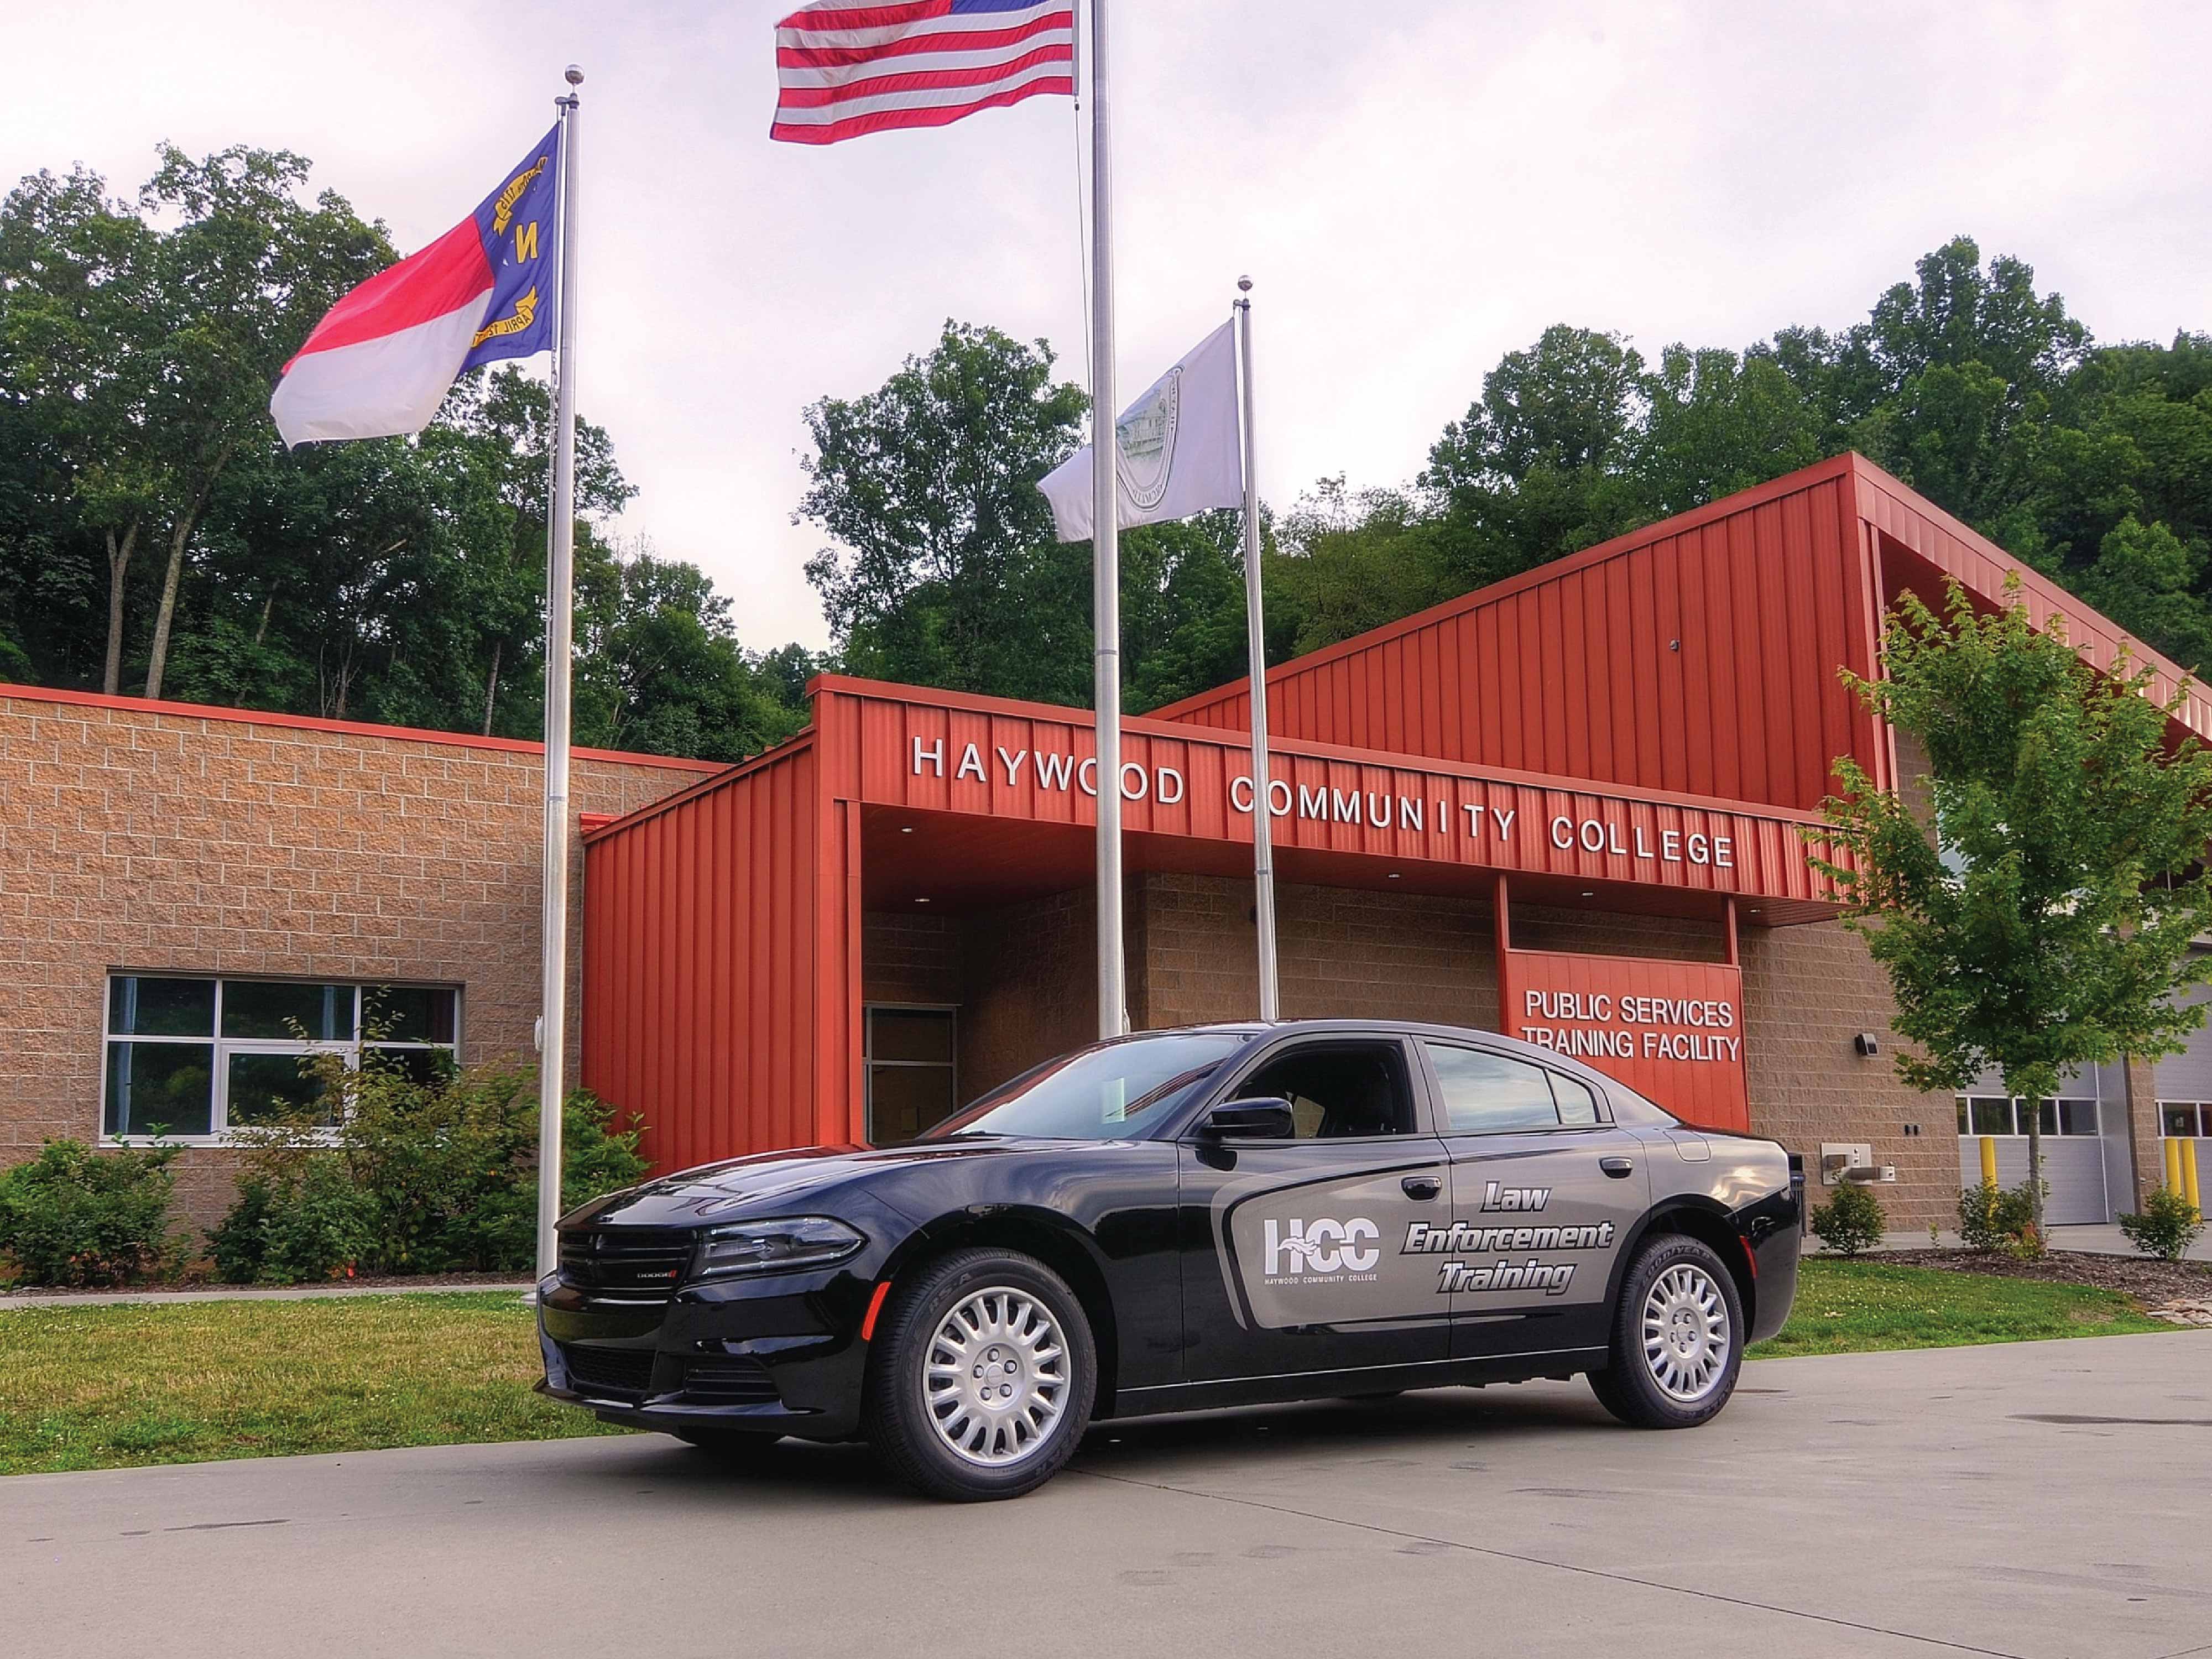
(2034, 1499)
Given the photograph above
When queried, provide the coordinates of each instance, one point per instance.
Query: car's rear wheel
(1677, 1338)
(981, 1377)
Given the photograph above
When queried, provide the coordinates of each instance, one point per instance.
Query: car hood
(769, 1183)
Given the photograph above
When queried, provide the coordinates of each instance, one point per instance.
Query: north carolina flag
(383, 360)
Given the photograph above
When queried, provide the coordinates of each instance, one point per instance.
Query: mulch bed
(2147, 1279)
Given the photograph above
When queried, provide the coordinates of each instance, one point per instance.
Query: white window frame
(2017, 1102)
(869, 1062)
(2203, 1109)
(220, 1132)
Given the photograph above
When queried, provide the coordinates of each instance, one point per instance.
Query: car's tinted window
(1108, 1092)
(1339, 1090)
(1487, 1094)
(1577, 1105)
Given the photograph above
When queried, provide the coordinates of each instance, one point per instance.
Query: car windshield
(1109, 1092)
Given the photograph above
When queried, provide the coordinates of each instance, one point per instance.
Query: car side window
(1488, 1094)
(1339, 1090)
(1577, 1105)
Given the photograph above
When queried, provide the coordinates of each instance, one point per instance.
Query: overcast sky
(1416, 188)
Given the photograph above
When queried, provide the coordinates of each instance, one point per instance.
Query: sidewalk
(250, 1293)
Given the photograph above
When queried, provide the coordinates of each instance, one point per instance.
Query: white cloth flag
(1179, 445)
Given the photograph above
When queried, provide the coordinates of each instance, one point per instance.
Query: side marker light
(875, 1307)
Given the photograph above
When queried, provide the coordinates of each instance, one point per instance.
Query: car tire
(1677, 1339)
(980, 1377)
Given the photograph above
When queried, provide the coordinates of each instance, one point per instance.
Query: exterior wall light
(1866, 1043)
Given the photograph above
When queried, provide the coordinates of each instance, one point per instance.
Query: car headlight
(772, 1246)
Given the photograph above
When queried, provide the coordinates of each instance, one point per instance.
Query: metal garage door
(2073, 1153)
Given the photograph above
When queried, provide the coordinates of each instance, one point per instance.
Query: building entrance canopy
(1340, 815)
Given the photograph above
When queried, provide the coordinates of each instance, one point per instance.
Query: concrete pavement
(2033, 1500)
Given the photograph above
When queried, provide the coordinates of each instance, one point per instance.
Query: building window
(194, 1059)
(911, 1083)
(1987, 1115)
(2184, 1121)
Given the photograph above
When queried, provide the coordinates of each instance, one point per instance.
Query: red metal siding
(718, 956)
(1678, 1042)
(1950, 550)
(1699, 656)
(887, 745)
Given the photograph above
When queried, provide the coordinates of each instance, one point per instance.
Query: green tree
(80, 338)
(660, 668)
(1539, 466)
(946, 571)
(2046, 923)
(1183, 608)
(1716, 424)
(245, 274)
(1352, 560)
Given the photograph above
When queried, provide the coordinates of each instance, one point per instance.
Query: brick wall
(909, 957)
(142, 838)
(1807, 992)
(1028, 986)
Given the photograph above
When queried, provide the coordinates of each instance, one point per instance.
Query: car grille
(619, 1370)
(729, 1383)
(638, 1260)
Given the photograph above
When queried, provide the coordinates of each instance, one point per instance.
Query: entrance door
(1544, 1191)
(1291, 1258)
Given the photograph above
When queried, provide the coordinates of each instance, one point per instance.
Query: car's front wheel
(981, 1377)
(1677, 1338)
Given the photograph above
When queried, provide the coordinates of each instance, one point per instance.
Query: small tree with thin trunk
(2046, 924)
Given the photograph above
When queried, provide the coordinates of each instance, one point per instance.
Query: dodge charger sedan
(1213, 1216)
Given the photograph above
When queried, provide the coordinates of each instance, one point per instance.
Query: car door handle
(1619, 1167)
(1422, 1187)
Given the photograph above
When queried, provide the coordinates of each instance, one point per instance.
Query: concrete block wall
(203, 843)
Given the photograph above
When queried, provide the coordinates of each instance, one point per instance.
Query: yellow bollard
(2189, 1187)
(2173, 1164)
(1989, 1160)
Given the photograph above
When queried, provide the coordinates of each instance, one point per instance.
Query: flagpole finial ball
(574, 74)
(1243, 284)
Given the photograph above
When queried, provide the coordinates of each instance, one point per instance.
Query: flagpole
(1263, 836)
(1106, 547)
(560, 582)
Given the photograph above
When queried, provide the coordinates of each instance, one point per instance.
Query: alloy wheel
(995, 1376)
(1687, 1335)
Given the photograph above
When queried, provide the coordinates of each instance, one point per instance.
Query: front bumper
(780, 1354)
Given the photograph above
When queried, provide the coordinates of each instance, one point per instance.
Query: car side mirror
(1259, 1119)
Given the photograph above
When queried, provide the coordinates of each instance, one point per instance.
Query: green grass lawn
(96, 1387)
(1855, 1307)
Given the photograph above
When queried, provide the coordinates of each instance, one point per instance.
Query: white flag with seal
(1179, 444)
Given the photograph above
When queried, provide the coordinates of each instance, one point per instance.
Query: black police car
(1211, 1216)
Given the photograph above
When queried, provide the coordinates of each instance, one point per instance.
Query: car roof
(1495, 1041)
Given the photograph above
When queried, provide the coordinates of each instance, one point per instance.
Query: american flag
(845, 69)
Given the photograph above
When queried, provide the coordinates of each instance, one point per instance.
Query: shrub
(1851, 1221)
(303, 1219)
(1994, 1218)
(421, 1174)
(596, 1157)
(2168, 1226)
(73, 1216)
